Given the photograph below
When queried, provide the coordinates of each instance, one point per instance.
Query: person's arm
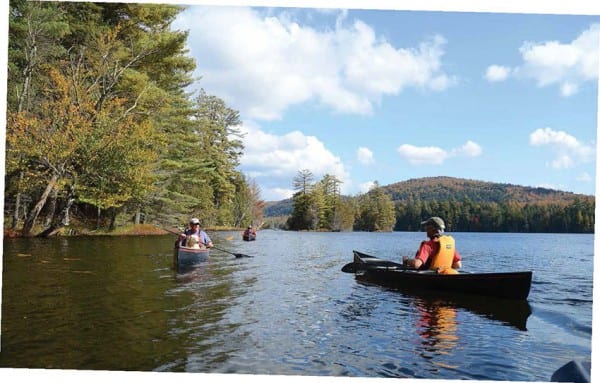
(420, 258)
(456, 262)
(206, 240)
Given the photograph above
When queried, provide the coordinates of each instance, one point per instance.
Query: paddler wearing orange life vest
(438, 253)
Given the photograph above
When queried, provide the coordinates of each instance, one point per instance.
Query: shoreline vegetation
(101, 126)
(465, 205)
(121, 231)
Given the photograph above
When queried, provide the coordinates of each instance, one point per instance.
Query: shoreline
(122, 231)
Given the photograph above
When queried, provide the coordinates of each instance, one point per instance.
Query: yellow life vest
(442, 260)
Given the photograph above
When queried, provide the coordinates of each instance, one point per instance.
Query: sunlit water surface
(119, 304)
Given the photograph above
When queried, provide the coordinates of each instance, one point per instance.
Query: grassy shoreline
(126, 230)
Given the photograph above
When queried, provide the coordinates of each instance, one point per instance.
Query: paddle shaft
(237, 255)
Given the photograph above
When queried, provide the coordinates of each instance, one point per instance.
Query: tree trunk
(33, 214)
(64, 215)
(51, 208)
(113, 217)
(15, 219)
(98, 211)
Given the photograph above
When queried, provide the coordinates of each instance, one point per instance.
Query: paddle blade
(238, 255)
(349, 268)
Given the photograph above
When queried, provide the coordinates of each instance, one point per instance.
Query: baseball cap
(435, 221)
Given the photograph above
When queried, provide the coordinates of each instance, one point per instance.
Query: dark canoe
(186, 256)
(511, 285)
(574, 371)
(250, 237)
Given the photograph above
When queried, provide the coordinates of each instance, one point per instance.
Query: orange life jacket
(442, 260)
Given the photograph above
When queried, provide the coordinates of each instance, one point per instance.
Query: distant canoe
(249, 237)
(187, 256)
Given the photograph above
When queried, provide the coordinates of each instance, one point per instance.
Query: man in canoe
(438, 253)
(249, 232)
(194, 237)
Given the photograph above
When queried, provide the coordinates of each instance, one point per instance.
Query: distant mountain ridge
(459, 189)
(278, 208)
(455, 189)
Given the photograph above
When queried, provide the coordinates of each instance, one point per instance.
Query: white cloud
(469, 149)
(566, 65)
(584, 177)
(550, 186)
(496, 73)
(563, 161)
(366, 186)
(277, 194)
(365, 156)
(262, 65)
(568, 89)
(274, 160)
(422, 155)
(568, 150)
(433, 155)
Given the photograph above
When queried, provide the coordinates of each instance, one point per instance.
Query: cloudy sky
(390, 95)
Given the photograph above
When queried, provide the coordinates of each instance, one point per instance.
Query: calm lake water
(119, 304)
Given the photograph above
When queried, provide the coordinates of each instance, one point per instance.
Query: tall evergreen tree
(105, 86)
(303, 215)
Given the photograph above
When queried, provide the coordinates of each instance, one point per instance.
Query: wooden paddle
(237, 255)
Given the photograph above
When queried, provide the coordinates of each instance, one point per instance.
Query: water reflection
(436, 326)
(507, 311)
(192, 273)
(121, 305)
(202, 323)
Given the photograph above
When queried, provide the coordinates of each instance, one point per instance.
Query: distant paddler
(249, 234)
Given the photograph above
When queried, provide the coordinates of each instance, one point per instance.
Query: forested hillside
(279, 208)
(458, 189)
(468, 205)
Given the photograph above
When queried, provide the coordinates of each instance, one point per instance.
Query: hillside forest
(100, 128)
(465, 205)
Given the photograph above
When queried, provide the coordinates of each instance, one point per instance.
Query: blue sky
(390, 95)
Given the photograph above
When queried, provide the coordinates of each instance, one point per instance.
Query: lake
(103, 303)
